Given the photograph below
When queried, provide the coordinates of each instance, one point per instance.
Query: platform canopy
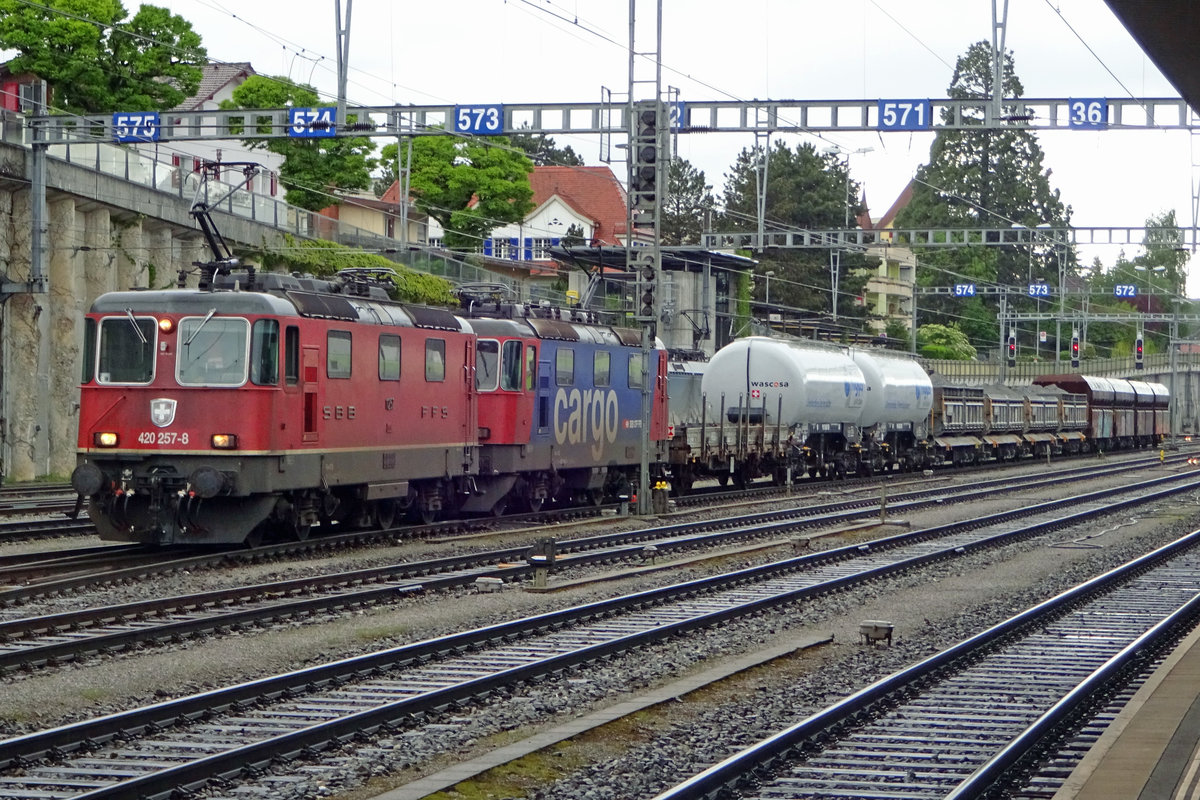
(1167, 31)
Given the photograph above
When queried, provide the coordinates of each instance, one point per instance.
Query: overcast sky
(547, 51)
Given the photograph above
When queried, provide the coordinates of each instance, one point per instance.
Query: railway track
(955, 724)
(29, 642)
(32, 575)
(33, 641)
(230, 733)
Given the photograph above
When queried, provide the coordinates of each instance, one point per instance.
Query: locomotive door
(309, 383)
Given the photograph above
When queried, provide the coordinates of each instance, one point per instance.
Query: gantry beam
(725, 116)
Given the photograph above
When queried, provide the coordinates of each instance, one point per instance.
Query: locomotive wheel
(499, 507)
(595, 496)
(302, 531)
(535, 504)
(723, 478)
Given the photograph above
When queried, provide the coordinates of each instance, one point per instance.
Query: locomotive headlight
(224, 441)
(166, 325)
(104, 439)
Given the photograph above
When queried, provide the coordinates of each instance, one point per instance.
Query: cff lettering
(435, 412)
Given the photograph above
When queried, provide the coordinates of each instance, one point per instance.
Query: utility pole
(343, 57)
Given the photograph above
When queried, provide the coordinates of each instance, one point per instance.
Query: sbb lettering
(339, 412)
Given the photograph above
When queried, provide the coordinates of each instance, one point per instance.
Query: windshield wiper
(203, 322)
(133, 322)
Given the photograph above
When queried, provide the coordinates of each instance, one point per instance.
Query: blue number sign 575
(139, 126)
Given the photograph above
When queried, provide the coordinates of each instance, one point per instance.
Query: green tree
(688, 205)
(805, 191)
(95, 60)
(543, 151)
(325, 259)
(573, 237)
(471, 186)
(313, 170)
(986, 178)
(945, 342)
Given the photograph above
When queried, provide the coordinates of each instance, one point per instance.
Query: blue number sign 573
(479, 120)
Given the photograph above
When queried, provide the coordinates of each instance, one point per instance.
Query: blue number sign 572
(1125, 290)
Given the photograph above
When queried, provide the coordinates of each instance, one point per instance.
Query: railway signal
(1074, 349)
(1012, 348)
(1138, 353)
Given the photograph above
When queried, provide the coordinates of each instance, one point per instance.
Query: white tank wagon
(774, 407)
(896, 410)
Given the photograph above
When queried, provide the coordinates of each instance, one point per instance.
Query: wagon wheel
(254, 538)
(535, 504)
(723, 478)
(385, 514)
(302, 530)
(595, 497)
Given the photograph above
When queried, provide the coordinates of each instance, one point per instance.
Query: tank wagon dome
(796, 381)
(897, 388)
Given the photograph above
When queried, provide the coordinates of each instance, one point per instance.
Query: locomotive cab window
(127, 346)
(635, 370)
(212, 351)
(89, 350)
(435, 360)
(510, 366)
(564, 367)
(389, 357)
(487, 365)
(264, 352)
(530, 368)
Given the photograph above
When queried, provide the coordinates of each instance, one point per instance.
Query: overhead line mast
(646, 123)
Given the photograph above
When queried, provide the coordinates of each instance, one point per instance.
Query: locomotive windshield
(212, 351)
(127, 349)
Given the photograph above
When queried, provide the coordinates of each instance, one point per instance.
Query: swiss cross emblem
(162, 411)
(755, 393)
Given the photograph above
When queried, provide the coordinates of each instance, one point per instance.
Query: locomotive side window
(635, 370)
(264, 352)
(564, 367)
(337, 354)
(89, 350)
(212, 351)
(435, 360)
(530, 368)
(510, 366)
(389, 357)
(291, 355)
(601, 368)
(487, 365)
(127, 349)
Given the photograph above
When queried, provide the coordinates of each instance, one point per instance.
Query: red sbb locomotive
(265, 405)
